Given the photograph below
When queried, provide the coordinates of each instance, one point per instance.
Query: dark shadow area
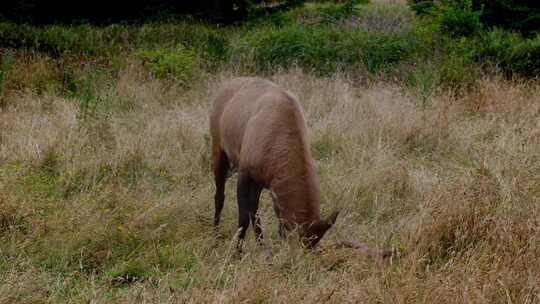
(38, 12)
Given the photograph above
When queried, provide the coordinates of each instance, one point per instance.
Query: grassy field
(106, 192)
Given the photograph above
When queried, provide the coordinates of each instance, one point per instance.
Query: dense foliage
(102, 12)
(518, 15)
(451, 45)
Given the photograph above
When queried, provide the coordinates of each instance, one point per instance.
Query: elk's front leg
(248, 192)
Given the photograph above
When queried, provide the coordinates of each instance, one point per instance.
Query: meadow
(429, 143)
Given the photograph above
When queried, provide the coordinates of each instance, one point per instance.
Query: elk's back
(256, 124)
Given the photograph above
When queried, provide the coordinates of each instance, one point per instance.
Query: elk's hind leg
(221, 168)
(248, 192)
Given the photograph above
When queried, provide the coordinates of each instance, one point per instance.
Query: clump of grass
(89, 102)
(128, 273)
(381, 18)
(462, 224)
(6, 62)
(424, 80)
(334, 12)
(458, 69)
(12, 220)
(180, 63)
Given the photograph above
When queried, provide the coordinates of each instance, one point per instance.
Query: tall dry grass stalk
(116, 207)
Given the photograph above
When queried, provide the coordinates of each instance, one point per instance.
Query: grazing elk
(259, 129)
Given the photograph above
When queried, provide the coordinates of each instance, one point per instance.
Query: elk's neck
(296, 190)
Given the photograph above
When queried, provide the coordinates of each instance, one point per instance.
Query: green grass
(327, 49)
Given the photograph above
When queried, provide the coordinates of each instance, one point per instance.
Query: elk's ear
(331, 220)
(326, 224)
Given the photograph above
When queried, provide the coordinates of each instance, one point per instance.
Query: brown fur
(260, 130)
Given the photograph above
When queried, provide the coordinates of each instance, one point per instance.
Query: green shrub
(89, 100)
(495, 44)
(422, 7)
(288, 46)
(423, 80)
(379, 50)
(524, 57)
(510, 52)
(15, 35)
(91, 40)
(325, 49)
(458, 72)
(129, 272)
(217, 49)
(458, 68)
(158, 34)
(459, 20)
(210, 43)
(522, 16)
(56, 39)
(178, 62)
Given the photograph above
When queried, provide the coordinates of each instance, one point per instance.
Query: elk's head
(312, 234)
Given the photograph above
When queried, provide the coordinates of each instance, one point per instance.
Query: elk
(259, 129)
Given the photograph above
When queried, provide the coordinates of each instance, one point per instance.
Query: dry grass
(116, 206)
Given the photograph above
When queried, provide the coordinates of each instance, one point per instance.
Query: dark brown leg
(248, 192)
(221, 168)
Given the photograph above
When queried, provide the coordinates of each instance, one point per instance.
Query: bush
(522, 16)
(209, 42)
(293, 45)
(178, 62)
(423, 81)
(15, 36)
(378, 50)
(325, 49)
(524, 57)
(465, 44)
(459, 20)
(422, 7)
(458, 68)
(217, 49)
(510, 52)
(333, 12)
